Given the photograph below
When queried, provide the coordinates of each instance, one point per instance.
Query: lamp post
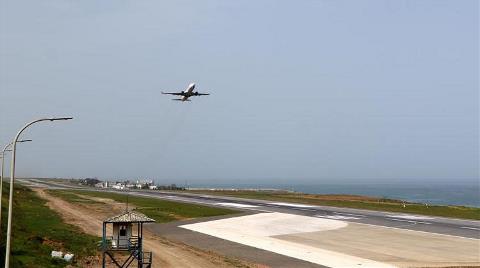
(12, 179)
(5, 149)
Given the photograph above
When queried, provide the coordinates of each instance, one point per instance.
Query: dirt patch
(166, 253)
(117, 207)
(53, 244)
(58, 245)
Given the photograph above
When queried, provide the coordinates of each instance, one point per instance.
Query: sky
(301, 91)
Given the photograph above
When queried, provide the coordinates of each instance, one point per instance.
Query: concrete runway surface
(333, 237)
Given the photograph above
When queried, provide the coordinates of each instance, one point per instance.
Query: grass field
(71, 197)
(352, 201)
(37, 231)
(159, 210)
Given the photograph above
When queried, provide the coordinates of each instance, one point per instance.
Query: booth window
(123, 231)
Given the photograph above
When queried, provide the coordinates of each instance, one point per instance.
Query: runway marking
(273, 205)
(337, 217)
(305, 209)
(410, 217)
(350, 214)
(470, 228)
(236, 205)
(415, 222)
(292, 205)
(169, 198)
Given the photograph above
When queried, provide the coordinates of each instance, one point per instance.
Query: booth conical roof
(130, 216)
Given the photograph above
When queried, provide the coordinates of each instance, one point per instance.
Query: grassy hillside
(159, 210)
(353, 201)
(37, 231)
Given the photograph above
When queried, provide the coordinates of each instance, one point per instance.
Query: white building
(118, 186)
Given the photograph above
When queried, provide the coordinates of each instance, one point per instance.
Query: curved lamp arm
(12, 179)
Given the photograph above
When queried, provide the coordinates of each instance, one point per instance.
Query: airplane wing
(173, 93)
(202, 94)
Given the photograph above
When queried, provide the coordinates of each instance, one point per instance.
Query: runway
(281, 234)
(421, 223)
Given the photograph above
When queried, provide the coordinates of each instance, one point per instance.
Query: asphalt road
(429, 224)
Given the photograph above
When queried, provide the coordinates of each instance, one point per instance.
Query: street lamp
(5, 149)
(12, 179)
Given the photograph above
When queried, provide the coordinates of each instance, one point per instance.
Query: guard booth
(122, 234)
(126, 236)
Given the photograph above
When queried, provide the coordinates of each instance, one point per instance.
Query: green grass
(71, 197)
(159, 210)
(37, 231)
(359, 202)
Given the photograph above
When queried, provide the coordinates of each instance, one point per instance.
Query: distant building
(152, 187)
(118, 186)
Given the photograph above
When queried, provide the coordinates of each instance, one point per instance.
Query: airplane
(186, 94)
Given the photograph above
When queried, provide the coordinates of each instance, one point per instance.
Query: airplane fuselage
(186, 93)
(189, 92)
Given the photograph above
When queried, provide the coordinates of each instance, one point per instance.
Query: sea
(462, 194)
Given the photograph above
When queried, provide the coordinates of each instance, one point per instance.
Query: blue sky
(307, 91)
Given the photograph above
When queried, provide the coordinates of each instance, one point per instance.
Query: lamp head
(60, 118)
